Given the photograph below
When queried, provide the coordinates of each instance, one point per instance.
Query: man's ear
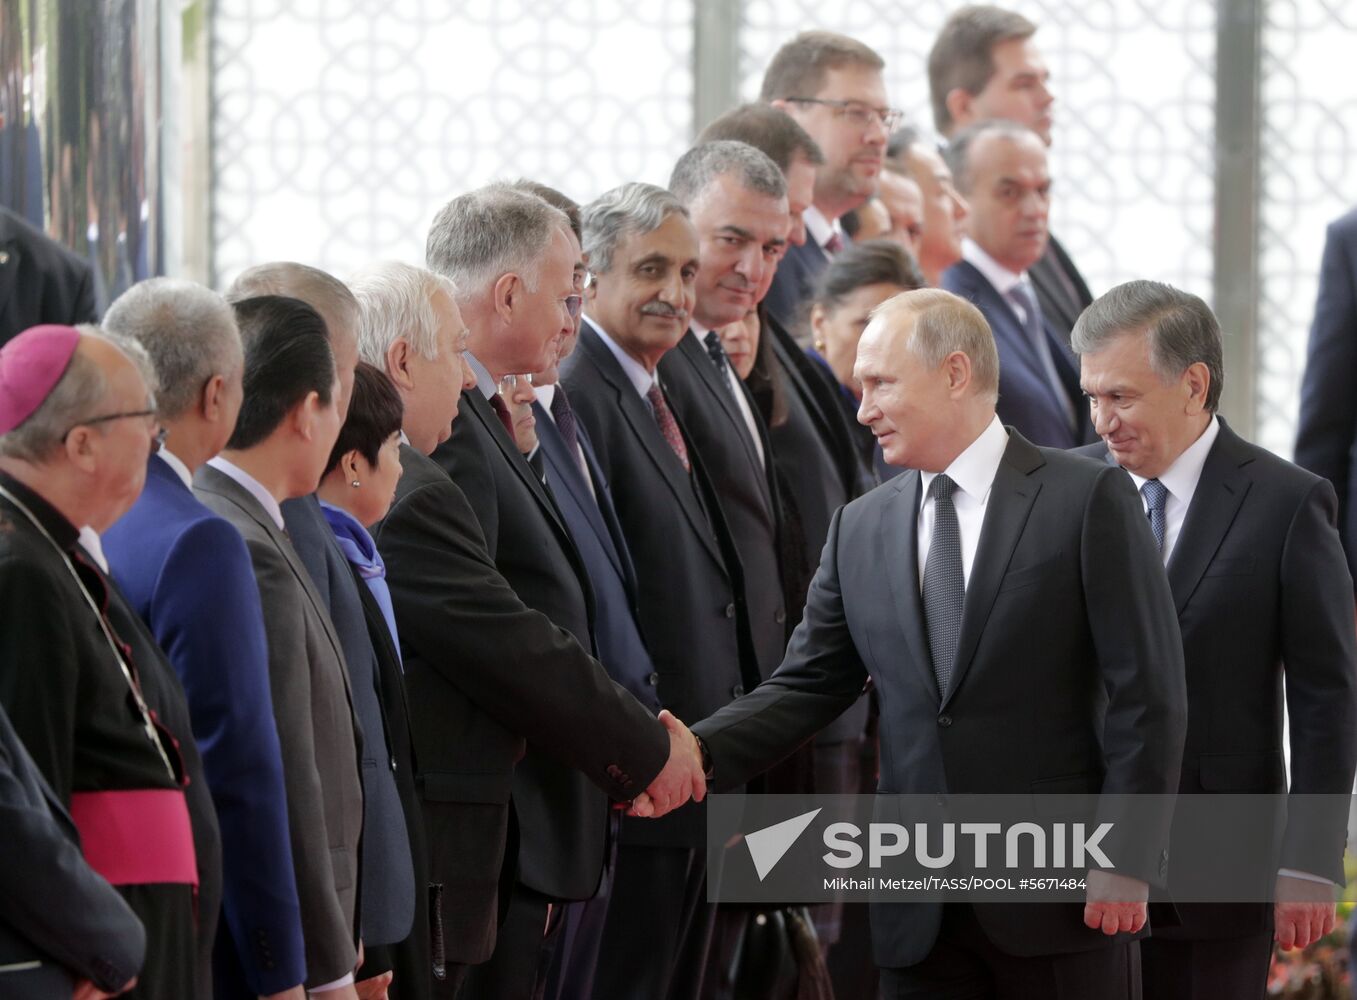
(961, 106)
(1197, 381)
(958, 367)
(505, 295)
(80, 448)
(398, 364)
(304, 414)
(209, 402)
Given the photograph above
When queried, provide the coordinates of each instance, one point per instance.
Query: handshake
(682, 778)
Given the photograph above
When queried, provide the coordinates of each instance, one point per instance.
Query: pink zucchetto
(30, 367)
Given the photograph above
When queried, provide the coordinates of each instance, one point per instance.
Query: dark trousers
(965, 965)
(575, 958)
(1205, 969)
(659, 926)
(166, 911)
(518, 968)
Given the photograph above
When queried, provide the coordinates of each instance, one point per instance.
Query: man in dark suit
(985, 65)
(831, 84)
(1001, 168)
(1262, 589)
(187, 572)
(1058, 612)
(386, 867)
(85, 685)
(644, 255)
(288, 423)
(1327, 433)
(89, 940)
(40, 280)
(737, 199)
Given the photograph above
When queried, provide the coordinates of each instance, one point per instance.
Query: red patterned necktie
(668, 425)
(502, 411)
(834, 244)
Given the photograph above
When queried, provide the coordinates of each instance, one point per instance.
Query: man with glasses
(832, 86)
(514, 260)
(88, 691)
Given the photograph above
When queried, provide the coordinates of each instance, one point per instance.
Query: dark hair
(555, 199)
(851, 222)
(287, 356)
(375, 413)
(958, 150)
(875, 262)
(799, 67)
(897, 147)
(962, 57)
(770, 130)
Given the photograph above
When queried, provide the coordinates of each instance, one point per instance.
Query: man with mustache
(643, 252)
(831, 85)
(1000, 167)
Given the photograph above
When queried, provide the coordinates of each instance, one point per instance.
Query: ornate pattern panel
(1134, 86)
(340, 127)
(1309, 170)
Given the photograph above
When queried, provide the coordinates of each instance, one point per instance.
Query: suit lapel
(1010, 503)
(692, 351)
(1220, 493)
(637, 413)
(900, 542)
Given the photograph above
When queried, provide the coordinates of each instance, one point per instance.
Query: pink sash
(137, 837)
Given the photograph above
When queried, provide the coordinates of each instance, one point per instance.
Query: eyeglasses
(583, 278)
(856, 113)
(574, 305)
(160, 435)
(508, 383)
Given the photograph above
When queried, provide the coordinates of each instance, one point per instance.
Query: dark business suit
(587, 507)
(794, 282)
(1061, 290)
(688, 588)
(481, 664)
(386, 872)
(187, 572)
(59, 921)
(701, 399)
(310, 688)
(1065, 607)
(1326, 437)
(1027, 400)
(1263, 595)
(563, 817)
(40, 280)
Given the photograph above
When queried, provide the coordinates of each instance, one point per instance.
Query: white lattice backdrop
(341, 127)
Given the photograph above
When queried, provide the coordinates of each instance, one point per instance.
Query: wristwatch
(706, 756)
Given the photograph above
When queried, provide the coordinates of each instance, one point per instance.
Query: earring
(819, 345)
(355, 484)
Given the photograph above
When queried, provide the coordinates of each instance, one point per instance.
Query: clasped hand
(682, 778)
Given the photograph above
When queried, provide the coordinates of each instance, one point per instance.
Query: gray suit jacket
(312, 706)
(58, 919)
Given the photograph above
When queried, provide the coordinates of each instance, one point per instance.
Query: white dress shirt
(94, 548)
(820, 229)
(1180, 479)
(252, 486)
(177, 466)
(636, 372)
(698, 331)
(973, 471)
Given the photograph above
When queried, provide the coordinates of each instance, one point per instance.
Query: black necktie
(565, 420)
(1156, 495)
(944, 587)
(717, 353)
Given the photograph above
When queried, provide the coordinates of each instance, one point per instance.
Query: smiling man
(1000, 167)
(832, 86)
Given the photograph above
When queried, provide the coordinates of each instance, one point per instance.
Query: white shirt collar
(995, 273)
(699, 331)
(635, 371)
(1181, 478)
(974, 469)
(483, 380)
(545, 394)
(89, 541)
(252, 486)
(178, 467)
(820, 228)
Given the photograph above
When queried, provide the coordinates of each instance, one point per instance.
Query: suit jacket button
(730, 611)
(779, 616)
(654, 679)
(737, 690)
(944, 721)
(614, 772)
(393, 762)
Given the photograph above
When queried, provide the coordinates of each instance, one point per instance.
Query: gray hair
(188, 331)
(704, 163)
(944, 324)
(627, 210)
(320, 290)
(1182, 330)
(76, 397)
(395, 301)
(958, 150)
(492, 231)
